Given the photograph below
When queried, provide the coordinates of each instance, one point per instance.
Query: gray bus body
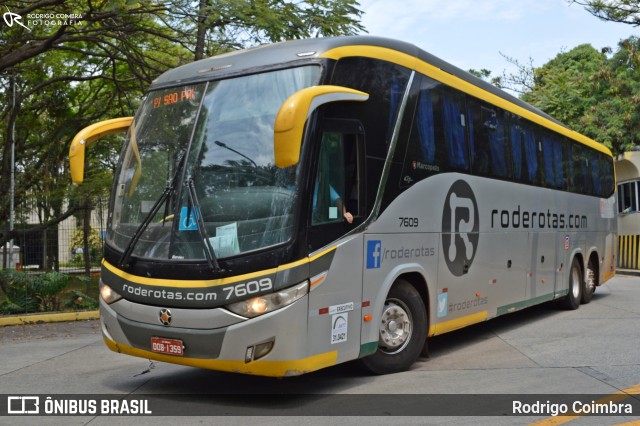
(467, 204)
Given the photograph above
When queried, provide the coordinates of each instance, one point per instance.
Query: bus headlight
(269, 302)
(108, 294)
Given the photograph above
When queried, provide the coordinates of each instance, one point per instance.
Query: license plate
(167, 346)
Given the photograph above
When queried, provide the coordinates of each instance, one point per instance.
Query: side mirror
(294, 112)
(86, 137)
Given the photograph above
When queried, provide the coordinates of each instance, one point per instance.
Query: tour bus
(289, 207)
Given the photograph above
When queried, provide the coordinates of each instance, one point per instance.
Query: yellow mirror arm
(86, 137)
(294, 112)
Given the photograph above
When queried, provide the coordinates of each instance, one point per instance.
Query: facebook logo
(374, 254)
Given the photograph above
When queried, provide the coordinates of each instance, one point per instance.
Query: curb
(628, 272)
(50, 317)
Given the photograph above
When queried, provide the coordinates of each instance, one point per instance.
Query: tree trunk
(202, 30)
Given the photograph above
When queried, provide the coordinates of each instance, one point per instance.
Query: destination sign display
(174, 97)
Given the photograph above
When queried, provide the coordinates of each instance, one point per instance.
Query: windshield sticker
(339, 324)
(225, 243)
(188, 219)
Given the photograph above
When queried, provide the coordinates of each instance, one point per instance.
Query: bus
(289, 207)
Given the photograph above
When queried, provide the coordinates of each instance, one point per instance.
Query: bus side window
(524, 151)
(454, 124)
(437, 141)
(581, 165)
(607, 175)
(329, 186)
(487, 140)
(420, 157)
(553, 162)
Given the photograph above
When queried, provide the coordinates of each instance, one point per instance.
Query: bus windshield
(202, 155)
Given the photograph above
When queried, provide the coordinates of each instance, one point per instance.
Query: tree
(96, 63)
(561, 86)
(613, 118)
(624, 11)
(224, 25)
(592, 93)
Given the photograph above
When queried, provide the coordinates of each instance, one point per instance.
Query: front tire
(572, 300)
(402, 331)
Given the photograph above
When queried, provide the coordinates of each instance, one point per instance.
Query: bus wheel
(572, 301)
(402, 331)
(589, 283)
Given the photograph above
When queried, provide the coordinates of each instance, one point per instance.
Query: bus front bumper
(223, 348)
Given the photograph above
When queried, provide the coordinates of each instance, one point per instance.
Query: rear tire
(590, 282)
(402, 331)
(576, 284)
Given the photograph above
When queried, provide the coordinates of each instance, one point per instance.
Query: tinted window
(386, 84)
(437, 142)
(607, 175)
(524, 149)
(487, 140)
(553, 162)
(581, 166)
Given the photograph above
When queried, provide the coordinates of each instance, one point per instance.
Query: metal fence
(60, 247)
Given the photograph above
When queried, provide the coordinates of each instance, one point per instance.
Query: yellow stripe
(414, 63)
(208, 283)
(618, 259)
(260, 367)
(615, 398)
(458, 323)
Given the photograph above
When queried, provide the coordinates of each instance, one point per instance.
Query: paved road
(542, 350)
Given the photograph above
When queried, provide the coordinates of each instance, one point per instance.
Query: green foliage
(95, 242)
(69, 76)
(19, 295)
(594, 94)
(559, 85)
(81, 301)
(624, 11)
(33, 293)
(95, 246)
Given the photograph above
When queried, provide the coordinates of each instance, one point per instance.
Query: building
(627, 167)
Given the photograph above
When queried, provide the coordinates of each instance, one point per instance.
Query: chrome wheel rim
(396, 327)
(575, 283)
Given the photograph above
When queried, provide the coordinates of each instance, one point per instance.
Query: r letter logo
(374, 254)
(460, 225)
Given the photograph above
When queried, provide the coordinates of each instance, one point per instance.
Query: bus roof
(290, 52)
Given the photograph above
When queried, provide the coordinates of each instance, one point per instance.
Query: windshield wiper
(164, 197)
(224, 145)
